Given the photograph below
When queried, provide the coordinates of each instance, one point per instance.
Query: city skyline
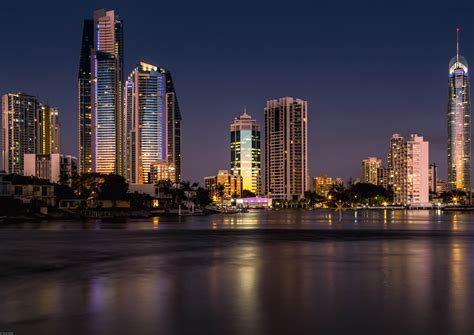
(324, 122)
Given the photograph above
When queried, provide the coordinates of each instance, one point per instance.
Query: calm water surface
(263, 272)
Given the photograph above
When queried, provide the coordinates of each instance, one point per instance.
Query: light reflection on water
(283, 219)
(243, 283)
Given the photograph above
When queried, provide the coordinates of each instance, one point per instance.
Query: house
(27, 189)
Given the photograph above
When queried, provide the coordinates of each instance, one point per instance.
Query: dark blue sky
(367, 68)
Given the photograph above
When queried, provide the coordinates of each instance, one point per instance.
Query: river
(262, 272)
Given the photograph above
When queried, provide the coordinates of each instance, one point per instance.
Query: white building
(411, 171)
(50, 166)
(46, 166)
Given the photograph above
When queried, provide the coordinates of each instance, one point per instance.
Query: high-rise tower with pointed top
(245, 152)
(459, 124)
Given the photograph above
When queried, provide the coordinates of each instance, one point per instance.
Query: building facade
(385, 177)
(146, 122)
(163, 170)
(286, 151)
(19, 112)
(459, 125)
(245, 152)
(370, 167)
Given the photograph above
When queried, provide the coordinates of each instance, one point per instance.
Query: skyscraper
(146, 122)
(286, 150)
(18, 130)
(370, 167)
(85, 98)
(245, 152)
(100, 81)
(47, 130)
(459, 124)
(174, 119)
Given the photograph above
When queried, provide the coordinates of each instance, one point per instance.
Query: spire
(457, 44)
(245, 115)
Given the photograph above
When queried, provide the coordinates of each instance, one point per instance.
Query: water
(263, 272)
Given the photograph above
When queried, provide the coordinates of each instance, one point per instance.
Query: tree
(64, 178)
(313, 198)
(338, 196)
(139, 200)
(369, 194)
(248, 194)
(114, 187)
(220, 192)
(202, 197)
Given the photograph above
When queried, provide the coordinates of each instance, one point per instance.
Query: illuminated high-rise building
(370, 167)
(47, 130)
(286, 150)
(18, 130)
(459, 125)
(409, 162)
(85, 98)
(146, 122)
(245, 152)
(101, 129)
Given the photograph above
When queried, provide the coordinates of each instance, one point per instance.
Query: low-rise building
(322, 185)
(231, 185)
(28, 189)
(50, 166)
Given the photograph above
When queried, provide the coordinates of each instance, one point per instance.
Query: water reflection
(245, 284)
(384, 219)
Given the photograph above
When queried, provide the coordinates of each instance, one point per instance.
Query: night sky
(367, 68)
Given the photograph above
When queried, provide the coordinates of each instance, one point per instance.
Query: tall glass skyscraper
(146, 122)
(245, 152)
(459, 125)
(101, 116)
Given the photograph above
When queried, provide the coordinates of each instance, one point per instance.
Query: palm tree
(220, 191)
